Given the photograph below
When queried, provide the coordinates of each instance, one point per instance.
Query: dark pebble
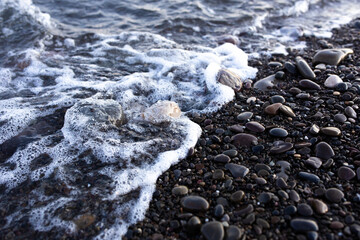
(334, 195)
(331, 131)
(244, 139)
(218, 174)
(277, 99)
(350, 112)
(194, 203)
(319, 206)
(273, 109)
(314, 162)
(244, 116)
(180, 190)
(340, 118)
(255, 127)
(234, 233)
(309, 177)
(304, 225)
(290, 67)
(305, 210)
(219, 211)
(279, 75)
(294, 196)
(238, 171)
(222, 158)
(278, 132)
(281, 147)
(290, 210)
(308, 84)
(304, 68)
(237, 196)
(213, 231)
(324, 150)
(265, 197)
(346, 173)
(231, 153)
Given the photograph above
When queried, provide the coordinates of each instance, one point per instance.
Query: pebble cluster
(282, 161)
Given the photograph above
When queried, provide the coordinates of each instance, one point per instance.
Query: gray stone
(294, 196)
(194, 203)
(314, 129)
(213, 231)
(314, 162)
(234, 233)
(319, 206)
(229, 79)
(244, 139)
(331, 56)
(324, 150)
(331, 131)
(231, 153)
(305, 210)
(238, 171)
(222, 158)
(309, 177)
(244, 116)
(255, 127)
(304, 68)
(180, 190)
(277, 99)
(219, 211)
(266, 83)
(350, 112)
(278, 132)
(265, 197)
(334, 195)
(218, 174)
(281, 147)
(308, 84)
(340, 118)
(332, 81)
(237, 196)
(346, 173)
(304, 225)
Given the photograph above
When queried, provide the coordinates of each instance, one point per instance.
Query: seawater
(76, 80)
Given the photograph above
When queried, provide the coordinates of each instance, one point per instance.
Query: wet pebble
(294, 196)
(290, 67)
(346, 173)
(244, 139)
(238, 171)
(309, 177)
(180, 190)
(273, 109)
(324, 150)
(237, 196)
(244, 116)
(331, 56)
(305, 210)
(213, 231)
(319, 206)
(334, 195)
(231, 153)
(314, 162)
(194, 203)
(304, 68)
(265, 197)
(332, 81)
(281, 147)
(234, 233)
(287, 111)
(222, 158)
(265, 83)
(255, 127)
(340, 118)
(304, 225)
(308, 84)
(219, 211)
(336, 225)
(278, 132)
(350, 112)
(277, 99)
(290, 210)
(331, 131)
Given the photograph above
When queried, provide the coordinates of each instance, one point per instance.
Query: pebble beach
(278, 163)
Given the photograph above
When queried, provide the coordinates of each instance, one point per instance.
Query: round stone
(308, 84)
(350, 112)
(277, 99)
(334, 195)
(331, 131)
(273, 109)
(332, 81)
(281, 147)
(304, 68)
(219, 211)
(244, 116)
(194, 224)
(222, 158)
(324, 150)
(244, 139)
(230, 79)
(237, 196)
(314, 162)
(290, 210)
(231, 153)
(265, 84)
(260, 181)
(238, 171)
(287, 111)
(194, 203)
(319, 206)
(265, 197)
(294, 196)
(305, 210)
(213, 231)
(304, 225)
(290, 67)
(218, 174)
(346, 173)
(234, 233)
(180, 190)
(309, 177)
(255, 127)
(278, 132)
(340, 118)
(336, 225)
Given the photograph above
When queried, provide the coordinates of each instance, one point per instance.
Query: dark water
(82, 135)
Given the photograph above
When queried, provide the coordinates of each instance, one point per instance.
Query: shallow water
(76, 81)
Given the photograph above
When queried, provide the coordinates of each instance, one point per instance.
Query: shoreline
(273, 192)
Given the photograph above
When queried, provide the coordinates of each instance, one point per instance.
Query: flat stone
(230, 79)
(324, 150)
(287, 111)
(237, 196)
(265, 197)
(244, 116)
(234, 233)
(231, 153)
(219, 211)
(308, 84)
(305, 210)
(255, 127)
(350, 112)
(294, 196)
(236, 128)
(334, 195)
(314, 162)
(194, 204)
(290, 210)
(346, 173)
(304, 225)
(340, 118)
(304, 68)
(218, 174)
(213, 231)
(331, 56)
(278, 132)
(273, 109)
(319, 206)
(336, 225)
(263, 223)
(238, 171)
(331, 131)
(180, 190)
(244, 139)
(222, 158)
(265, 84)
(281, 147)
(244, 211)
(332, 81)
(309, 177)
(277, 99)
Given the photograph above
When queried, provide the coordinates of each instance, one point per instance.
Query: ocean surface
(91, 92)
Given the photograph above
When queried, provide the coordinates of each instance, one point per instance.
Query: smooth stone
(334, 195)
(273, 109)
(274, 64)
(309, 177)
(222, 158)
(228, 39)
(283, 194)
(279, 75)
(262, 166)
(350, 112)
(213, 231)
(194, 203)
(249, 219)
(265, 84)
(287, 111)
(336, 225)
(180, 190)
(290, 210)
(265, 197)
(305, 210)
(332, 81)
(244, 116)
(255, 127)
(260, 180)
(341, 87)
(294, 90)
(304, 225)
(230, 79)
(238, 171)
(324, 150)
(218, 174)
(314, 162)
(278, 132)
(244, 211)
(346, 173)
(331, 131)
(314, 129)
(234, 233)
(294, 196)
(308, 84)
(304, 68)
(237, 196)
(263, 223)
(236, 128)
(277, 99)
(219, 211)
(231, 153)
(194, 224)
(281, 183)
(319, 206)
(290, 67)
(244, 139)
(331, 56)
(340, 118)
(281, 148)
(312, 235)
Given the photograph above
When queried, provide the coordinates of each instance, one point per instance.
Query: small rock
(180, 190)
(219, 211)
(332, 81)
(336, 225)
(194, 203)
(265, 84)
(228, 39)
(308, 84)
(314, 162)
(244, 139)
(290, 67)
(346, 173)
(305, 210)
(314, 129)
(334, 195)
(294, 196)
(84, 221)
(278, 132)
(231, 153)
(309, 177)
(213, 231)
(244, 116)
(255, 127)
(304, 225)
(194, 224)
(222, 158)
(350, 112)
(218, 174)
(238, 171)
(237, 196)
(319, 206)
(273, 109)
(277, 99)
(162, 111)
(281, 147)
(331, 56)
(290, 210)
(234, 233)
(265, 197)
(287, 111)
(304, 68)
(340, 118)
(331, 131)
(324, 150)
(229, 79)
